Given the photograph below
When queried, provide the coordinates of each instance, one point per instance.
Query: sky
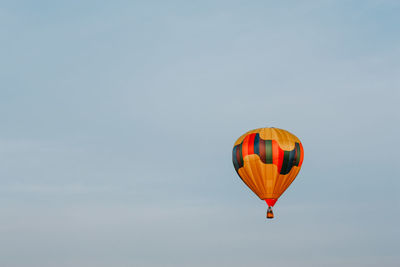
(118, 120)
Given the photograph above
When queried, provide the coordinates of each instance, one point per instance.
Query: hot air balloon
(268, 160)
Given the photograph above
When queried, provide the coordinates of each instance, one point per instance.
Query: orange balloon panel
(268, 160)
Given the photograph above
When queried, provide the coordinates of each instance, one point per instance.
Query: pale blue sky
(118, 119)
